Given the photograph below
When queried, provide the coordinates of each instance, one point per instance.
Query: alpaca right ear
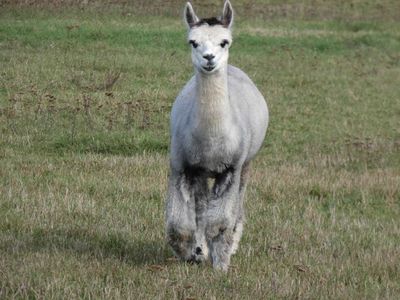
(189, 16)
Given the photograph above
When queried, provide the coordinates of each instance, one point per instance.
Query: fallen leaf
(172, 259)
(302, 268)
(155, 268)
(276, 248)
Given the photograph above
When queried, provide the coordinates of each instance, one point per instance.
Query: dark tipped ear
(227, 15)
(189, 16)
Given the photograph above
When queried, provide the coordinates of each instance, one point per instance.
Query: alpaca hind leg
(238, 230)
(237, 235)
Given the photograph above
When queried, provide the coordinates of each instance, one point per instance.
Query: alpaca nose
(209, 57)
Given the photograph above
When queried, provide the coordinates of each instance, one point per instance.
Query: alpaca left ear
(227, 15)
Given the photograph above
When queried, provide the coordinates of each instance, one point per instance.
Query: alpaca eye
(224, 43)
(193, 43)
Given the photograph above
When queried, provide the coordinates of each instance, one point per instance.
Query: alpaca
(218, 123)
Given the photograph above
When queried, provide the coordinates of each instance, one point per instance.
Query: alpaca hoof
(221, 267)
(198, 256)
(198, 251)
(181, 242)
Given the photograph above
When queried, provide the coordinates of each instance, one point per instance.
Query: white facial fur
(206, 40)
(210, 43)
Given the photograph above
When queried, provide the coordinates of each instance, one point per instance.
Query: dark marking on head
(210, 21)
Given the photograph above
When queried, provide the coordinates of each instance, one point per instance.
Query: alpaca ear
(227, 15)
(189, 16)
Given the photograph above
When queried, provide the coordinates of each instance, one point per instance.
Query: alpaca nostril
(198, 251)
(209, 57)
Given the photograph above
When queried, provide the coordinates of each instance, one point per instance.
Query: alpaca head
(209, 39)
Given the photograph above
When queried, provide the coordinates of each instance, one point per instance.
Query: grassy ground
(84, 108)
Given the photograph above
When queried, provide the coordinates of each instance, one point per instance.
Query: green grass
(85, 97)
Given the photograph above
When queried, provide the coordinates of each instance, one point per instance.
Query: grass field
(85, 96)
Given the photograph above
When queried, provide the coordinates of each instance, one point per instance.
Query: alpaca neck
(213, 109)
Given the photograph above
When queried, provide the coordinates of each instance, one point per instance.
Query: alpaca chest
(214, 150)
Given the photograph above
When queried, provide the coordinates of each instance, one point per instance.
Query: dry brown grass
(85, 97)
(264, 9)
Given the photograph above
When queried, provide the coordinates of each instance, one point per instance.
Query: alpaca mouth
(209, 68)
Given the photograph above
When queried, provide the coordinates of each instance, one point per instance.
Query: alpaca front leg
(180, 217)
(200, 187)
(222, 215)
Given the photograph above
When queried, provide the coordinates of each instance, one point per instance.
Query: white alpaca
(218, 123)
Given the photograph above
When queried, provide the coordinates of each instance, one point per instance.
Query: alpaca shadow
(99, 246)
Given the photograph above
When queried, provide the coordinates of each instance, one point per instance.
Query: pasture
(85, 96)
